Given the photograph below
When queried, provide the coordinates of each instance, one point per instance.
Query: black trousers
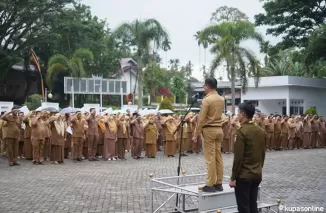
(246, 193)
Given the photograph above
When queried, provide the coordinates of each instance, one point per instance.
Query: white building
(287, 94)
(128, 73)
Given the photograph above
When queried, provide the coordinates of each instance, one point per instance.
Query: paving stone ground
(296, 177)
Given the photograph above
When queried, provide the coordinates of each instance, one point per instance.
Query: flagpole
(39, 70)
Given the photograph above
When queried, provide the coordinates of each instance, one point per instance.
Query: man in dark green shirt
(249, 156)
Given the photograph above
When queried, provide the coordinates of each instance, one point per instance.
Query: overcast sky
(182, 19)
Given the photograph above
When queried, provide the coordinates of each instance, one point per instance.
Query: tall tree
(225, 39)
(188, 70)
(294, 19)
(178, 88)
(145, 36)
(316, 48)
(60, 66)
(174, 64)
(230, 14)
(23, 24)
(198, 43)
(74, 28)
(166, 47)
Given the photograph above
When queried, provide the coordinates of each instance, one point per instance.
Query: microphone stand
(180, 126)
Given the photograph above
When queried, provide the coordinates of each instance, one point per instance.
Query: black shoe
(209, 189)
(16, 164)
(35, 162)
(79, 159)
(40, 163)
(95, 159)
(218, 187)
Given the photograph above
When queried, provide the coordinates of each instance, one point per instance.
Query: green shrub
(166, 104)
(33, 101)
(311, 111)
(145, 100)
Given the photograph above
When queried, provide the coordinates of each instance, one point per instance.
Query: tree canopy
(295, 20)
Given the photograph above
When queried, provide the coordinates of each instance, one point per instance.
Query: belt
(210, 126)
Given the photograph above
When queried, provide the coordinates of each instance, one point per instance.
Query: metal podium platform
(183, 194)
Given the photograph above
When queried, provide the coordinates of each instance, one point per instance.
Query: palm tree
(60, 66)
(283, 64)
(225, 39)
(142, 36)
(205, 45)
(166, 47)
(171, 62)
(199, 43)
(174, 64)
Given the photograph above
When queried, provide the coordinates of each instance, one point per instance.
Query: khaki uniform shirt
(12, 125)
(211, 112)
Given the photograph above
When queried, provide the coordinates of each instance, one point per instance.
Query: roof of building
(126, 65)
(277, 81)
(272, 81)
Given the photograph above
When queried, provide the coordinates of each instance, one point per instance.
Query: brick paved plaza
(296, 177)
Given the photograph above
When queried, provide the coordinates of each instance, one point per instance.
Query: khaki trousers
(12, 149)
(269, 140)
(38, 147)
(213, 138)
(190, 142)
(137, 147)
(121, 147)
(232, 140)
(197, 145)
(92, 146)
(314, 138)
(158, 142)
(78, 143)
(277, 140)
(292, 143)
(226, 144)
(284, 140)
(3, 147)
(47, 148)
(306, 139)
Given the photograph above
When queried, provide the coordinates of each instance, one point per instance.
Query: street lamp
(47, 95)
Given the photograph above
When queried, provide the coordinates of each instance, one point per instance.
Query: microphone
(195, 96)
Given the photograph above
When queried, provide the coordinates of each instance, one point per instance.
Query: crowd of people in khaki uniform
(292, 132)
(43, 136)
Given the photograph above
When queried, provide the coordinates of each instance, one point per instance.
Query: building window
(296, 110)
